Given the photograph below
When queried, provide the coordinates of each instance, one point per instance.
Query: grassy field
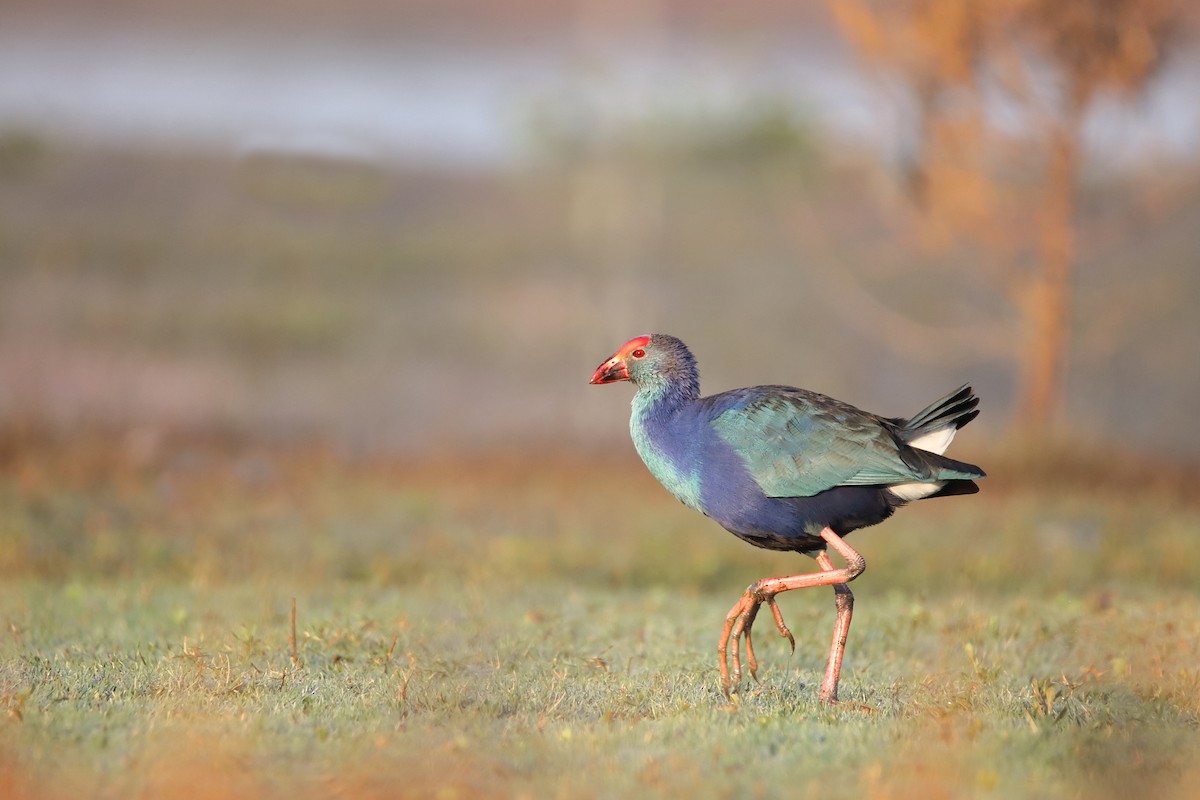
(513, 626)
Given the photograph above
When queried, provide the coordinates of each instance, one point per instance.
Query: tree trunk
(1048, 303)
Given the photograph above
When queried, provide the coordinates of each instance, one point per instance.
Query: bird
(785, 469)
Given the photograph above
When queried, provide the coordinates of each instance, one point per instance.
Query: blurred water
(464, 104)
(139, 88)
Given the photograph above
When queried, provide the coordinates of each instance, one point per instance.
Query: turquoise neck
(654, 407)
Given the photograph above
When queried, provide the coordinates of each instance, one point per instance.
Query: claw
(780, 624)
(738, 624)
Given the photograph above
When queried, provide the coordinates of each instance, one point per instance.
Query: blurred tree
(1000, 91)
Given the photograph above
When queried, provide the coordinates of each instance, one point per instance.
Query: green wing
(797, 443)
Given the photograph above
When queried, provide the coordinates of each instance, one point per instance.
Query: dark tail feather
(933, 467)
(957, 409)
(955, 487)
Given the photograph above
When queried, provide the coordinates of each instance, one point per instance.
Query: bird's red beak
(616, 368)
(611, 371)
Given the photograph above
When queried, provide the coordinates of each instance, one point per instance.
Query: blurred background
(417, 225)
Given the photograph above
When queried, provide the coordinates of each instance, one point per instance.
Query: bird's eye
(639, 353)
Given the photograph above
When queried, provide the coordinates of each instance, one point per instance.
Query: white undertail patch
(915, 490)
(935, 441)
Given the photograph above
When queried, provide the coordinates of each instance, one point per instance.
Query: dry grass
(516, 626)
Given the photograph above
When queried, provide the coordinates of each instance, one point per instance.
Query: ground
(509, 625)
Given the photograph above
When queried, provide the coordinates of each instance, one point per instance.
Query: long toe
(729, 647)
(784, 631)
(747, 623)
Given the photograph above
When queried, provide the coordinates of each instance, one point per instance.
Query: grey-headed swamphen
(785, 469)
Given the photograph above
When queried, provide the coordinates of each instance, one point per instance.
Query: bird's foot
(738, 625)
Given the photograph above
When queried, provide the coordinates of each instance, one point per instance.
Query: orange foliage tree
(1001, 89)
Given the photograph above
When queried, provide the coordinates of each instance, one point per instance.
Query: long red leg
(844, 600)
(740, 618)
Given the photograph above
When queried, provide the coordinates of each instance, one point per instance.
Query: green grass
(504, 627)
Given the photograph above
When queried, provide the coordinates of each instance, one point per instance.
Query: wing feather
(797, 443)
